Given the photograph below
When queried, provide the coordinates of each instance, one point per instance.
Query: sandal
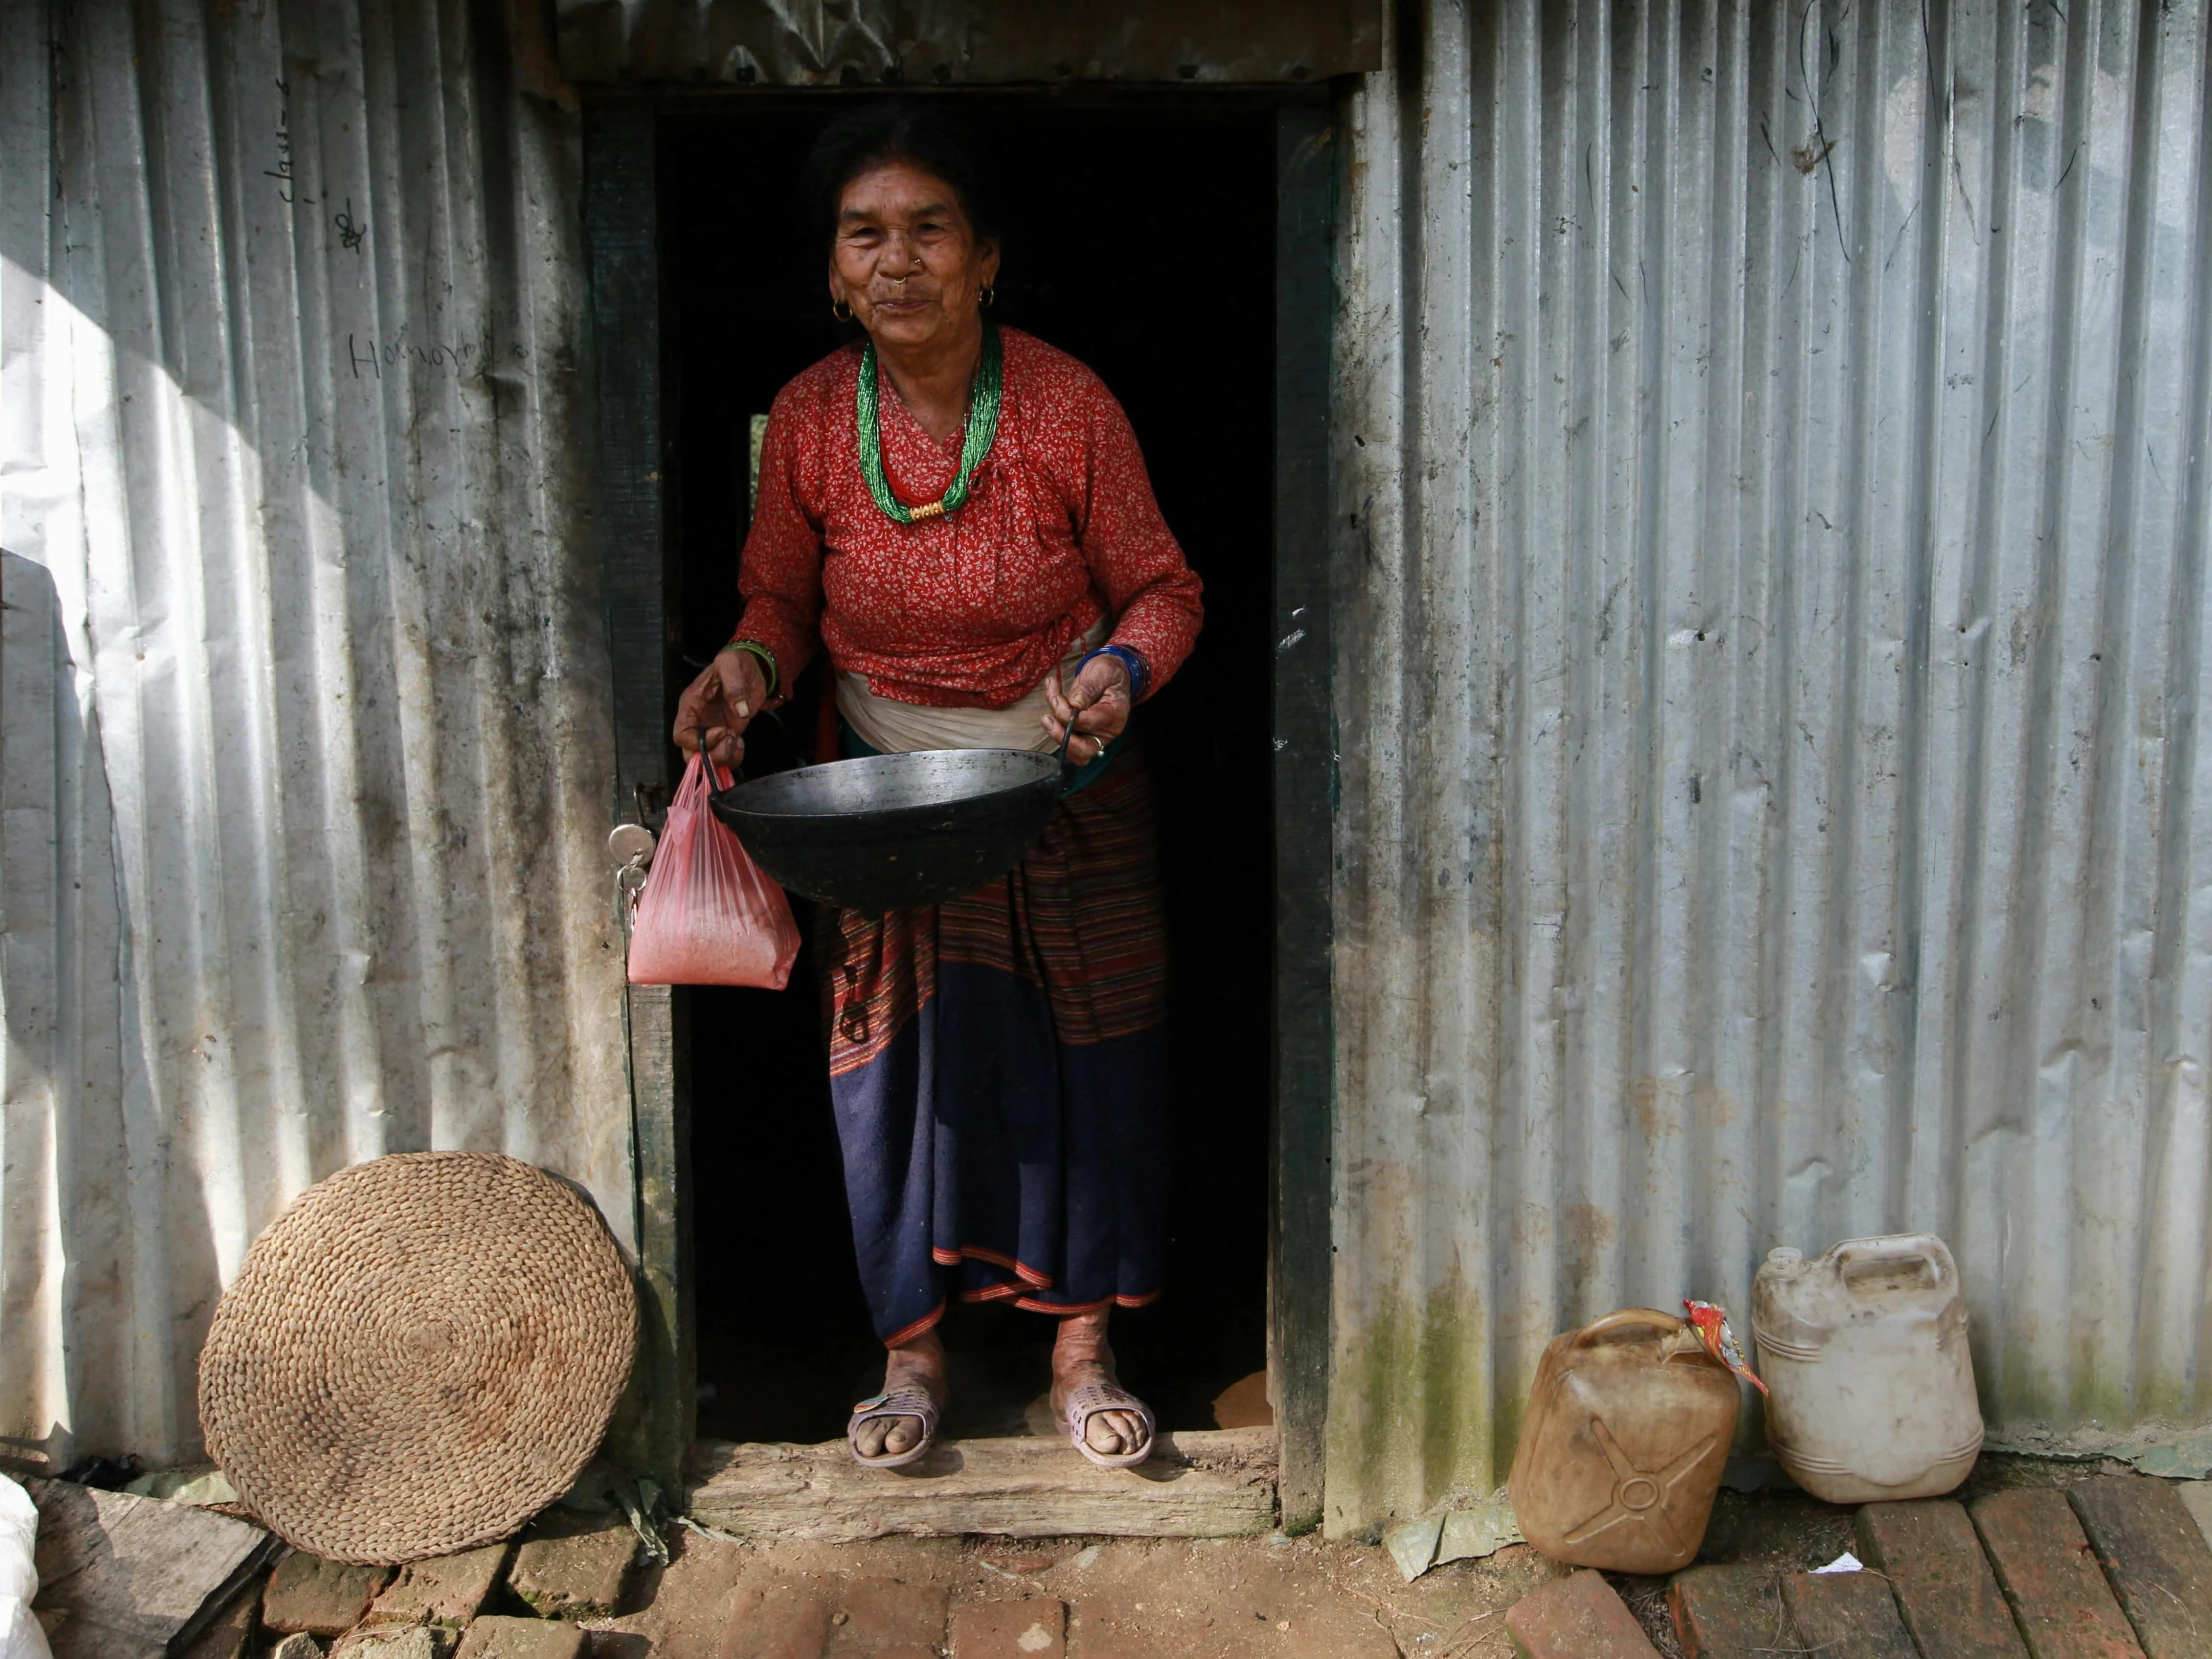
(899, 1402)
(1087, 1403)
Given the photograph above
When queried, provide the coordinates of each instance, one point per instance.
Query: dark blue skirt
(998, 1069)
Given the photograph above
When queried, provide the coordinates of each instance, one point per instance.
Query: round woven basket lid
(418, 1357)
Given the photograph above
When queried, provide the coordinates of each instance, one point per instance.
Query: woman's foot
(918, 1364)
(1082, 1358)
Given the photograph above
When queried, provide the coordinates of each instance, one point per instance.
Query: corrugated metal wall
(1771, 510)
(1773, 514)
(304, 717)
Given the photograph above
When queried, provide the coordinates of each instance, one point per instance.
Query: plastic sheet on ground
(1465, 1533)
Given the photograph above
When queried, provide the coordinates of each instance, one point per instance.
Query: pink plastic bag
(707, 916)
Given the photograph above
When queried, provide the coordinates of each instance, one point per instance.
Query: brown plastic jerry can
(1628, 1427)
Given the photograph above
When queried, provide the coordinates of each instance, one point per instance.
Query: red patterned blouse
(971, 609)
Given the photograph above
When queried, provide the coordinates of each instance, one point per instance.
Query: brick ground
(2058, 1592)
(416, 1642)
(1581, 1617)
(1726, 1612)
(774, 1622)
(1944, 1583)
(1847, 1616)
(309, 1595)
(2196, 1497)
(2156, 1559)
(1249, 1598)
(888, 1616)
(448, 1589)
(1280, 1598)
(568, 1568)
(230, 1635)
(1032, 1627)
(504, 1638)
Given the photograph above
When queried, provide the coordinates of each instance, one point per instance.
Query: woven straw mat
(418, 1357)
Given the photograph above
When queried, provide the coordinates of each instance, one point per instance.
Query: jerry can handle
(1925, 1248)
(1622, 1318)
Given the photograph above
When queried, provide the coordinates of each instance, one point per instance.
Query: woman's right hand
(717, 706)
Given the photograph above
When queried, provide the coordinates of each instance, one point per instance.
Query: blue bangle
(1130, 660)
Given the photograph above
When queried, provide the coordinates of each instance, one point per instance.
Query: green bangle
(761, 654)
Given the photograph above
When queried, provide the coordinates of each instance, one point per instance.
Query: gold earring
(987, 299)
(841, 310)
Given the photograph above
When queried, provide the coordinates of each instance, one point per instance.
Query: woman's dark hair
(896, 128)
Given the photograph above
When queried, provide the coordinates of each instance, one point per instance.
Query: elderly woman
(959, 514)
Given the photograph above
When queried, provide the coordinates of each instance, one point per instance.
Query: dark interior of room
(1140, 239)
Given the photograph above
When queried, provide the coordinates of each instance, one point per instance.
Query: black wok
(896, 832)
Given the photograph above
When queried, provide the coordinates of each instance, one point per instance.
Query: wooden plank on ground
(2058, 1591)
(2156, 1559)
(1944, 1583)
(1198, 1485)
(135, 1575)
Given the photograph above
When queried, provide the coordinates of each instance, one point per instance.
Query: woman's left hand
(1098, 703)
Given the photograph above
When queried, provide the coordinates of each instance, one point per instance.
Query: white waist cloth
(892, 727)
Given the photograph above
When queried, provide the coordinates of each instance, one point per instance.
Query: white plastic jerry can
(1864, 1351)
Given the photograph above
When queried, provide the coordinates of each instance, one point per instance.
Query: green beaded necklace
(982, 428)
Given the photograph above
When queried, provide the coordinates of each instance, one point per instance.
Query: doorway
(1142, 239)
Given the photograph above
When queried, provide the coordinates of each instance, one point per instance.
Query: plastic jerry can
(1864, 1352)
(1628, 1427)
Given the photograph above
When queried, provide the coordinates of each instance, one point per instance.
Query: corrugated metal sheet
(1771, 508)
(304, 717)
(1773, 517)
(964, 42)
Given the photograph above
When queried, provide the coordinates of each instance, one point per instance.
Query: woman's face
(906, 260)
